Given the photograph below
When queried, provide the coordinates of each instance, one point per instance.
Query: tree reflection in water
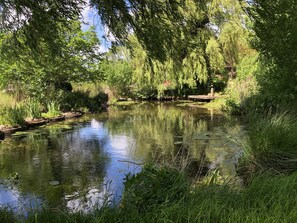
(89, 158)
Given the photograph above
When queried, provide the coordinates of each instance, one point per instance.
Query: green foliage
(152, 187)
(82, 101)
(7, 100)
(53, 110)
(276, 30)
(12, 116)
(7, 215)
(38, 77)
(271, 144)
(39, 23)
(33, 109)
(267, 199)
(243, 92)
(215, 55)
(117, 72)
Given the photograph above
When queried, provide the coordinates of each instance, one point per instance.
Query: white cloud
(109, 36)
(88, 16)
(103, 49)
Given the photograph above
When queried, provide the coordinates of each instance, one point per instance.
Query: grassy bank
(267, 199)
(271, 145)
(14, 112)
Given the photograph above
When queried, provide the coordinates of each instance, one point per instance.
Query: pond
(79, 164)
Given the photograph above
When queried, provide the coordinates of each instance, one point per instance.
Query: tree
(116, 70)
(212, 41)
(77, 61)
(177, 36)
(275, 28)
(37, 22)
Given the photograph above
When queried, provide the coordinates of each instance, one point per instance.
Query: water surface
(81, 163)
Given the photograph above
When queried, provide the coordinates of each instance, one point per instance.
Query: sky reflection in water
(90, 157)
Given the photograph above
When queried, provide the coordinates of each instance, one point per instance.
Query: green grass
(271, 145)
(11, 112)
(267, 199)
(33, 109)
(217, 103)
(53, 110)
(12, 116)
(7, 100)
(7, 215)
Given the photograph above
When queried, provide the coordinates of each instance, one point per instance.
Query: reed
(271, 145)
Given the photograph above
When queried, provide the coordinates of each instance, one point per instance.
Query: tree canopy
(275, 27)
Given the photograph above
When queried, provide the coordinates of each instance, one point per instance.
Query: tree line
(159, 46)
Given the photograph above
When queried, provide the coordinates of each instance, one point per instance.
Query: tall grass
(33, 109)
(53, 110)
(7, 215)
(12, 116)
(7, 100)
(271, 144)
(267, 199)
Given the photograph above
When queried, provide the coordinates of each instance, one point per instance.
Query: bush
(82, 101)
(152, 187)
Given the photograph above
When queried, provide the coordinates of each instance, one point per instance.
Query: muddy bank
(29, 124)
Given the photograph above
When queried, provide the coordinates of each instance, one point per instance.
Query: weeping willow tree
(211, 40)
(176, 43)
(168, 47)
(34, 23)
(232, 29)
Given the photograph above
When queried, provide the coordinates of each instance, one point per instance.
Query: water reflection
(81, 164)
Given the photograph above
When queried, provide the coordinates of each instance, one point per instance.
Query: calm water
(81, 163)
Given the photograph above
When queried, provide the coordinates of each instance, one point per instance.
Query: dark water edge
(80, 164)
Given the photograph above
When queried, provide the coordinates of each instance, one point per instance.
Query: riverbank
(266, 199)
(216, 105)
(32, 123)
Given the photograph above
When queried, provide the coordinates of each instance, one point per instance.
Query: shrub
(83, 101)
(153, 186)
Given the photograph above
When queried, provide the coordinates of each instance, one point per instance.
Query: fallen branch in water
(131, 162)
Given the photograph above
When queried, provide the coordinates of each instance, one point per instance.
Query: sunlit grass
(53, 110)
(267, 199)
(7, 100)
(91, 88)
(271, 145)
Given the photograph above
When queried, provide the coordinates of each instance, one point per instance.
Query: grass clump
(152, 187)
(271, 145)
(53, 110)
(12, 116)
(33, 109)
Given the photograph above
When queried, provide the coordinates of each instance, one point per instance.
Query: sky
(91, 18)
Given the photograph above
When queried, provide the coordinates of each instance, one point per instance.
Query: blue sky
(91, 18)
